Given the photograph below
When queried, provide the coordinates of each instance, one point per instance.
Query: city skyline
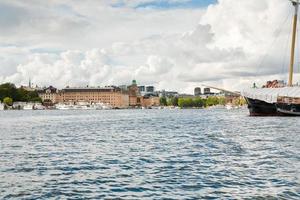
(170, 44)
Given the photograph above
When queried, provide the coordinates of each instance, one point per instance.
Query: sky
(171, 44)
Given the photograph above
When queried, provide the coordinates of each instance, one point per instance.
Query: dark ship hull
(261, 108)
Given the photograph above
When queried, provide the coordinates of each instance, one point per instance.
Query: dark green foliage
(199, 102)
(163, 101)
(8, 90)
(212, 101)
(18, 94)
(173, 101)
(185, 102)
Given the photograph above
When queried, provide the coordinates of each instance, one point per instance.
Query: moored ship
(275, 98)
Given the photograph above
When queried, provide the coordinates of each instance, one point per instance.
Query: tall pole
(296, 5)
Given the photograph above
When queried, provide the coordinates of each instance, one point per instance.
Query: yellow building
(114, 96)
(109, 95)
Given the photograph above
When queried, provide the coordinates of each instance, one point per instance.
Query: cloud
(97, 43)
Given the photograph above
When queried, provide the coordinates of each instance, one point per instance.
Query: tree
(181, 102)
(17, 94)
(163, 101)
(198, 102)
(8, 90)
(189, 103)
(222, 101)
(175, 101)
(36, 99)
(169, 102)
(186, 103)
(8, 101)
(211, 101)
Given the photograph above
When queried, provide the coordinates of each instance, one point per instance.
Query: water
(148, 154)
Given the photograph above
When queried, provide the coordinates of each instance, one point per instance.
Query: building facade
(150, 101)
(108, 95)
(116, 97)
(150, 89)
(49, 94)
(134, 94)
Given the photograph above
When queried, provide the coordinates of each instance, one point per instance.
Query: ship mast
(291, 72)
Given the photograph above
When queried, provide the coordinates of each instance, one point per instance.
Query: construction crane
(223, 90)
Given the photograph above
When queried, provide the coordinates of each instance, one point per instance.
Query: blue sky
(165, 4)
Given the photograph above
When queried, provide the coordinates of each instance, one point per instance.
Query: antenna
(29, 83)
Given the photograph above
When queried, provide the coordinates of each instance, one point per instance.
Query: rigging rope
(277, 33)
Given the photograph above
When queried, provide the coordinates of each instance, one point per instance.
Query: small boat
(39, 106)
(28, 106)
(63, 107)
(228, 107)
(1, 106)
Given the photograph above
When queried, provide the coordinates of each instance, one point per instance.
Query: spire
(134, 82)
(29, 83)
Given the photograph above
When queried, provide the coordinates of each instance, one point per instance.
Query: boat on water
(28, 106)
(63, 107)
(39, 106)
(83, 106)
(1, 106)
(228, 107)
(276, 99)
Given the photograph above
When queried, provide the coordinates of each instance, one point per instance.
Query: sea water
(148, 154)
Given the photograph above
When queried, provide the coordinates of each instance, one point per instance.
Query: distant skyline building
(207, 91)
(197, 91)
(150, 89)
(142, 88)
(169, 94)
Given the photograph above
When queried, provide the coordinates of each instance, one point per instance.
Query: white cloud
(177, 49)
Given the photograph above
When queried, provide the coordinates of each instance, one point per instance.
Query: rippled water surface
(148, 154)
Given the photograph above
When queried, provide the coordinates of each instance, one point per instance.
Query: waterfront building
(116, 97)
(134, 94)
(150, 101)
(108, 95)
(74, 95)
(49, 94)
